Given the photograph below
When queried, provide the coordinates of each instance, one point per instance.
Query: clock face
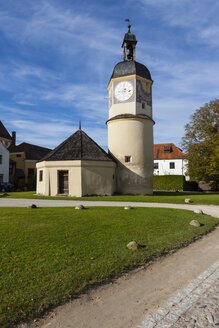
(123, 91)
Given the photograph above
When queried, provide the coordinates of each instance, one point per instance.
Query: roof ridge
(54, 151)
(78, 146)
(97, 144)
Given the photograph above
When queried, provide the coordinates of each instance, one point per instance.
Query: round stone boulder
(79, 207)
(133, 245)
(198, 211)
(33, 206)
(127, 208)
(195, 223)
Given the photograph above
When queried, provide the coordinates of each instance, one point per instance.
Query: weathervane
(129, 23)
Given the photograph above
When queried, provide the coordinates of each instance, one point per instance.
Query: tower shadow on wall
(129, 182)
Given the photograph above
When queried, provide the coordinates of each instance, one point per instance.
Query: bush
(207, 186)
(168, 182)
(190, 186)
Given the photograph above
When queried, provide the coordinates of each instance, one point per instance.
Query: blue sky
(56, 58)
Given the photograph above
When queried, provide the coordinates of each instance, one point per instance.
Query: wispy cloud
(198, 20)
(52, 133)
(57, 58)
(50, 24)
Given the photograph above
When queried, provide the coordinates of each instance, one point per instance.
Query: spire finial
(129, 24)
(79, 124)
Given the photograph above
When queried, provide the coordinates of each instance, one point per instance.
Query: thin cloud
(58, 56)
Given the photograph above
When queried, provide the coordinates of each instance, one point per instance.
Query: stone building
(23, 159)
(77, 167)
(80, 167)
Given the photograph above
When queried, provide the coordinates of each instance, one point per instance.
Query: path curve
(15, 202)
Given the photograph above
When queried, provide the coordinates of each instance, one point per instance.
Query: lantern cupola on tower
(129, 45)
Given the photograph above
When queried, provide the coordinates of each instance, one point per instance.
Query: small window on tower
(127, 159)
(143, 105)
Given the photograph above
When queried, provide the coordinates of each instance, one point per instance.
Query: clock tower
(130, 123)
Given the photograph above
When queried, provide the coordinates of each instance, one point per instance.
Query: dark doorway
(63, 182)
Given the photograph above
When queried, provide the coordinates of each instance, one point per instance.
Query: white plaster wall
(49, 185)
(132, 137)
(42, 187)
(126, 108)
(98, 178)
(4, 167)
(164, 167)
(85, 177)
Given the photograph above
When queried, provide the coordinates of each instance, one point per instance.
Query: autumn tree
(201, 143)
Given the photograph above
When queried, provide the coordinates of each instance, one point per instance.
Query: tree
(201, 143)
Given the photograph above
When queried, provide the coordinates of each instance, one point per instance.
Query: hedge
(168, 182)
(190, 186)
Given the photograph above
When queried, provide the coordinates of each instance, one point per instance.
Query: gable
(167, 151)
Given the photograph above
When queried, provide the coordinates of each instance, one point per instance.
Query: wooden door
(63, 182)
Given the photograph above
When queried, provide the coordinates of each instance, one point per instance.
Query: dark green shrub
(168, 182)
(190, 186)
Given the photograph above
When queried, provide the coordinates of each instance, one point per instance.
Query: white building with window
(4, 163)
(169, 160)
(5, 141)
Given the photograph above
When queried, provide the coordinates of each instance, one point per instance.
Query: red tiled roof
(167, 151)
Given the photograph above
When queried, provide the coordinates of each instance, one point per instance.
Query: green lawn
(158, 197)
(49, 255)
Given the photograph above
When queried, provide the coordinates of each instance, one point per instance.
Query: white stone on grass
(188, 200)
(198, 211)
(195, 223)
(79, 207)
(127, 208)
(133, 245)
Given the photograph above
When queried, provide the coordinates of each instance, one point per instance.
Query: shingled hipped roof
(167, 151)
(32, 152)
(126, 68)
(4, 132)
(78, 146)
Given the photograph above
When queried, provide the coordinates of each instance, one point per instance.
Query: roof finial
(79, 124)
(129, 24)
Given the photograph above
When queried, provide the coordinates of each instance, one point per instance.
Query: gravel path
(12, 202)
(196, 306)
